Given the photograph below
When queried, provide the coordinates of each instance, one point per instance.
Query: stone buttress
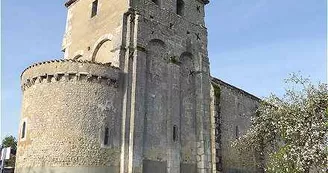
(132, 95)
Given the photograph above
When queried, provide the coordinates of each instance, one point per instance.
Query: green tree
(10, 141)
(290, 133)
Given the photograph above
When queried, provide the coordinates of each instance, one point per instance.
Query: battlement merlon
(70, 2)
(70, 69)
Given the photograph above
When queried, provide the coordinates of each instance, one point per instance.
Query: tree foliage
(10, 141)
(290, 133)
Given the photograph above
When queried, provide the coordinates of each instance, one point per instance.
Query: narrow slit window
(237, 132)
(94, 9)
(175, 133)
(180, 7)
(106, 137)
(23, 130)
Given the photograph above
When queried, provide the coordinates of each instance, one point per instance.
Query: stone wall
(157, 112)
(96, 38)
(162, 99)
(66, 106)
(233, 112)
(169, 85)
(193, 10)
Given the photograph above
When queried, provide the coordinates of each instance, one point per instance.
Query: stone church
(133, 94)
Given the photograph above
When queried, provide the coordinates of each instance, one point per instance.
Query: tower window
(106, 138)
(175, 133)
(237, 132)
(94, 9)
(157, 2)
(180, 7)
(23, 135)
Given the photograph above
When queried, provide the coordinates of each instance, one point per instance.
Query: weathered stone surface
(97, 38)
(66, 117)
(233, 111)
(154, 166)
(132, 94)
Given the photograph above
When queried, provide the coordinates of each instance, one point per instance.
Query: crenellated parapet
(68, 107)
(69, 70)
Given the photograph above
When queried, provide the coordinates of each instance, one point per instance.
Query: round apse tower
(69, 119)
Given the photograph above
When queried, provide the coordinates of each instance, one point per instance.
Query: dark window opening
(237, 132)
(180, 7)
(94, 8)
(156, 2)
(175, 133)
(106, 138)
(219, 164)
(24, 130)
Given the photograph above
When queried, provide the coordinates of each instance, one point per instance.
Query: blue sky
(253, 44)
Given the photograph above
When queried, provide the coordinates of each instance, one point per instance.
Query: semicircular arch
(156, 41)
(103, 39)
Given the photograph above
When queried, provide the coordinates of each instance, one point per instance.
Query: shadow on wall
(233, 170)
(42, 170)
(8, 170)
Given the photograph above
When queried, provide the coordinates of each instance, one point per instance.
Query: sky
(253, 44)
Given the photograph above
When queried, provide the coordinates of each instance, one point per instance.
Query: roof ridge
(217, 80)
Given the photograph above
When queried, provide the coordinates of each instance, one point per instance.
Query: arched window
(180, 7)
(157, 2)
(106, 138)
(23, 134)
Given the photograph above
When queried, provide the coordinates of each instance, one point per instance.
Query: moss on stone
(217, 91)
(174, 60)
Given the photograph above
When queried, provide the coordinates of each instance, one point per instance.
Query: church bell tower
(158, 120)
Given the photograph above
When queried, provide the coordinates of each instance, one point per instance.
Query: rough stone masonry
(133, 94)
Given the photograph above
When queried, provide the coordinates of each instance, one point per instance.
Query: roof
(221, 82)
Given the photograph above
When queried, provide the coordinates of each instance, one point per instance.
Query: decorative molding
(141, 48)
(69, 60)
(98, 44)
(66, 77)
(78, 54)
